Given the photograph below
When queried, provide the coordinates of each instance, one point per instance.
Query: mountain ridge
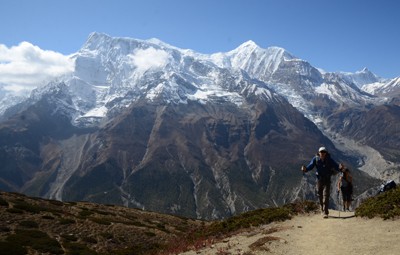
(139, 119)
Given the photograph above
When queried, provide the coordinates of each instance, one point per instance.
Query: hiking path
(341, 233)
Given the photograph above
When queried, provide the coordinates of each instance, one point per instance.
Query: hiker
(326, 167)
(345, 185)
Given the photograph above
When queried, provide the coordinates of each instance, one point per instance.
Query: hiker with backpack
(345, 185)
(325, 168)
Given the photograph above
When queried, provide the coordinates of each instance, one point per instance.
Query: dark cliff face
(22, 141)
(197, 160)
(378, 127)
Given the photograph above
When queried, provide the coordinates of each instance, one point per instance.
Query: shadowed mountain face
(378, 127)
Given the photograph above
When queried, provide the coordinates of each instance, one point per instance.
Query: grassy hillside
(386, 205)
(39, 226)
(34, 225)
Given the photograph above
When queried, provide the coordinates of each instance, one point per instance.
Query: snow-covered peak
(249, 45)
(256, 61)
(95, 40)
(389, 88)
(361, 78)
(112, 72)
(364, 70)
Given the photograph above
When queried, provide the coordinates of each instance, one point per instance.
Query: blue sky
(335, 35)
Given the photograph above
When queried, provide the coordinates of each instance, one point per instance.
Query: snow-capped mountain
(361, 78)
(109, 74)
(145, 124)
(112, 73)
(389, 88)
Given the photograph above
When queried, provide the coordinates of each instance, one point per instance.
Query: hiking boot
(326, 216)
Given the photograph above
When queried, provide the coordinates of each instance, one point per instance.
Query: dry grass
(87, 228)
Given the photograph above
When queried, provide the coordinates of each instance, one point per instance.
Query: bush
(29, 224)
(70, 237)
(78, 249)
(47, 217)
(3, 202)
(35, 239)
(5, 229)
(89, 239)
(85, 213)
(66, 221)
(56, 202)
(7, 248)
(22, 205)
(101, 221)
(14, 210)
(249, 219)
(385, 205)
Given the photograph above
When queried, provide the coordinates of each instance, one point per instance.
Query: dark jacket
(325, 169)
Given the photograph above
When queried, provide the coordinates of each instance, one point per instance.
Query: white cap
(322, 149)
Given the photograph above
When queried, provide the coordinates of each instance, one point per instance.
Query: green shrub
(70, 237)
(85, 213)
(104, 212)
(89, 239)
(5, 229)
(385, 205)
(7, 248)
(249, 219)
(148, 233)
(137, 224)
(78, 249)
(29, 224)
(47, 217)
(137, 250)
(66, 221)
(3, 202)
(22, 205)
(56, 202)
(14, 210)
(107, 235)
(162, 228)
(101, 221)
(35, 239)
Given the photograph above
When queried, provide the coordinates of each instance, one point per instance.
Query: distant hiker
(345, 185)
(326, 167)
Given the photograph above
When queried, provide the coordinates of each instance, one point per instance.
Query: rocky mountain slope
(148, 125)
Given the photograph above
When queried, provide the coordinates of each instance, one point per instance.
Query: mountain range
(144, 124)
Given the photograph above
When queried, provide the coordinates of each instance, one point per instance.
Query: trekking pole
(338, 195)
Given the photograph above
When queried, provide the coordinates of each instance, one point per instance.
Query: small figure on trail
(345, 185)
(326, 167)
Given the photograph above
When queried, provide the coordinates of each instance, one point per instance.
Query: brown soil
(312, 235)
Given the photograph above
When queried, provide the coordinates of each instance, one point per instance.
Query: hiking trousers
(346, 193)
(324, 192)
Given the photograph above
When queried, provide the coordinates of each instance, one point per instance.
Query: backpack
(390, 184)
(348, 180)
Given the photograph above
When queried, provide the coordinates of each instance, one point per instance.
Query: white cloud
(149, 58)
(26, 66)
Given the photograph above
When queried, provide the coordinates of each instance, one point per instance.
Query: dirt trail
(312, 235)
